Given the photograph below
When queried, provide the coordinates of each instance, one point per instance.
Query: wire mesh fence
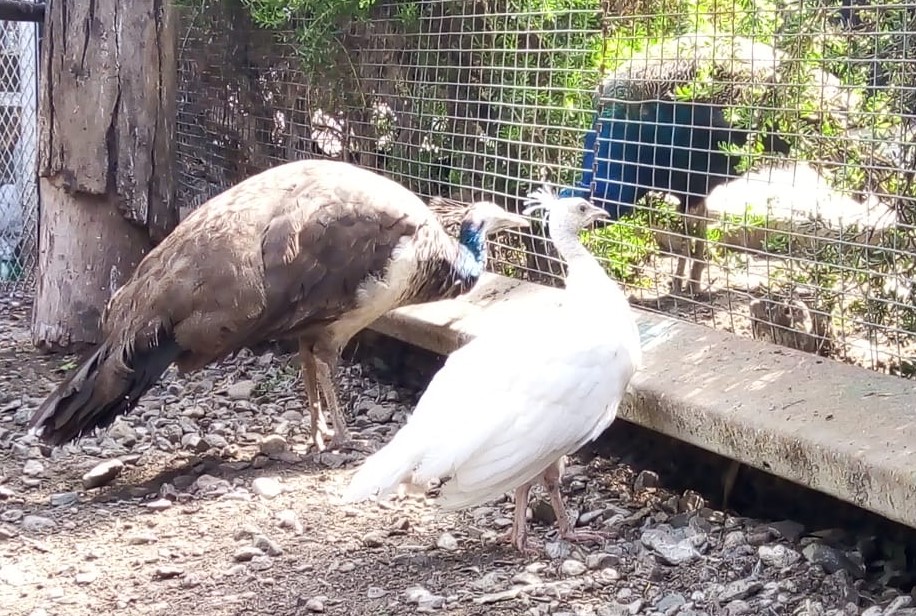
(18, 155)
(758, 156)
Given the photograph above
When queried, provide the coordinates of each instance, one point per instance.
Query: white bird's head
(563, 214)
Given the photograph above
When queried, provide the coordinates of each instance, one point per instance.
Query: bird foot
(347, 443)
(320, 440)
(520, 542)
(584, 536)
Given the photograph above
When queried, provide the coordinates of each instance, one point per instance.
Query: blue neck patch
(473, 250)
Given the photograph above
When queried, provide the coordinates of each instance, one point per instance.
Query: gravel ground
(211, 505)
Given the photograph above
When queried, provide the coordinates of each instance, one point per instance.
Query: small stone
(670, 602)
(572, 568)
(556, 550)
(380, 413)
(424, 599)
(240, 390)
(740, 589)
(266, 487)
(490, 581)
(528, 578)
(64, 499)
(737, 607)
(167, 572)
(333, 459)
(644, 480)
(142, 538)
(208, 485)
(37, 523)
(288, 519)
(267, 545)
(7, 533)
(315, 604)
(778, 556)
(789, 530)
(191, 580)
(831, 559)
(216, 441)
(600, 560)
(246, 553)
(734, 539)
(123, 433)
(273, 444)
(447, 542)
(11, 515)
(374, 592)
(102, 474)
(6, 492)
(33, 468)
(898, 606)
(260, 563)
(195, 443)
(87, 577)
(670, 550)
(373, 539)
(160, 504)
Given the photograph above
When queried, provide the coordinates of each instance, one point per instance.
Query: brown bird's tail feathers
(107, 383)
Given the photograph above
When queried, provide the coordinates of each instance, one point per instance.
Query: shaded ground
(193, 525)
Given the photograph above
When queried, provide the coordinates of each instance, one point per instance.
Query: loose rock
(447, 542)
(273, 444)
(64, 499)
(33, 468)
(777, 555)
(266, 487)
(37, 523)
(102, 474)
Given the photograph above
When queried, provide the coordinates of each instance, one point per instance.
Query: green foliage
(628, 245)
(314, 27)
(513, 109)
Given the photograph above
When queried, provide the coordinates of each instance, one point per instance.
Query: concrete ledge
(839, 429)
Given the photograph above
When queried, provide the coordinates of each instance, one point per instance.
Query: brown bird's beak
(507, 220)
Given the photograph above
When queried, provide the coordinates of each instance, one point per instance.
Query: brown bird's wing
(323, 240)
(281, 250)
(317, 257)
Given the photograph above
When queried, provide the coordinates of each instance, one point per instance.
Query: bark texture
(107, 129)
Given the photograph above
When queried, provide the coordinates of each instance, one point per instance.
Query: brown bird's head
(481, 218)
(486, 218)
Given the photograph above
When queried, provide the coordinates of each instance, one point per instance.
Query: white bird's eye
(581, 208)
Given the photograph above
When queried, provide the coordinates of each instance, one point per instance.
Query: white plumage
(506, 407)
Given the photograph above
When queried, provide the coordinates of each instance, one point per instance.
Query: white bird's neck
(586, 279)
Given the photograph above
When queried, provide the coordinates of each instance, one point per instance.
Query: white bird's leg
(341, 438)
(319, 427)
(518, 536)
(551, 480)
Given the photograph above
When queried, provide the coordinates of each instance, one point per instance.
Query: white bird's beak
(596, 213)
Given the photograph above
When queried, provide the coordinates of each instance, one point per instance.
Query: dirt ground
(220, 510)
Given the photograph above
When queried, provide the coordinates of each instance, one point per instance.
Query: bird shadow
(176, 481)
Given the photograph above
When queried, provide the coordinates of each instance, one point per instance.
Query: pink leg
(551, 479)
(518, 536)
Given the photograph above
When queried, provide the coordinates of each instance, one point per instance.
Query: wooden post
(107, 129)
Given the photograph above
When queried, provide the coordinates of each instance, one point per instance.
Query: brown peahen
(312, 251)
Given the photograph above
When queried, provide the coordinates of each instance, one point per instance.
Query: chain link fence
(758, 156)
(18, 156)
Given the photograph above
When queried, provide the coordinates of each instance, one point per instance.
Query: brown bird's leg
(551, 480)
(341, 439)
(319, 427)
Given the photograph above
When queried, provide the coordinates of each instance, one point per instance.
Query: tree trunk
(107, 125)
